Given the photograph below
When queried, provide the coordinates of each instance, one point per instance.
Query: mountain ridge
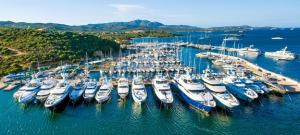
(124, 26)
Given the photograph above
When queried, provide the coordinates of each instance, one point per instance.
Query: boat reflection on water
(122, 103)
(222, 119)
(274, 98)
(136, 110)
(248, 110)
(53, 115)
(99, 107)
(25, 107)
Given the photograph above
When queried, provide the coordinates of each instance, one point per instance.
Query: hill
(112, 26)
(21, 48)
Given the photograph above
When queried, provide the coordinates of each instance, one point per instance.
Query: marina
(111, 67)
(157, 64)
(145, 76)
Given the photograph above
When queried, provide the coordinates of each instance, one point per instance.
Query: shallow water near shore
(269, 115)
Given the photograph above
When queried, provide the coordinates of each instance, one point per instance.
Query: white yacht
(283, 54)
(104, 92)
(139, 93)
(231, 39)
(249, 51)
(251, 85)
(162, 90)
(27, 93)
(91, 88)
(238, 88)
(193, 92)
(46, 86)
(277, 38)
(223, 98)
(123, 87)
(77, 91)
(58, 94)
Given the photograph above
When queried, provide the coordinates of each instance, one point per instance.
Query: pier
(274, 80)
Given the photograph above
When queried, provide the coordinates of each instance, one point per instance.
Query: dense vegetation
(124, 26)
(112, 26)
(6, 52)
(21, 48)
(124, 37)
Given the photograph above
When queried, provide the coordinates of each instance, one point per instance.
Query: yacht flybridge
(282, 54)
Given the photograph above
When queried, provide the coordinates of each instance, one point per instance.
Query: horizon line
(150, 21)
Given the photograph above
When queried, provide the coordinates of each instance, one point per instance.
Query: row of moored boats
(204, 93)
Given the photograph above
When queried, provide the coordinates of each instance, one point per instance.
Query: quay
(274, 80)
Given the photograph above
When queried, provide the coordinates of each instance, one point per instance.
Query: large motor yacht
(193, 92)
(223, 98)
(139, 93)
(58, 95)
(282, 54)
(162, 90)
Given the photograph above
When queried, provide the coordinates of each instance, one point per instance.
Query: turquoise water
(269, 115)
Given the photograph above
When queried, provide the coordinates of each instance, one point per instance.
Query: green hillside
(21, 48)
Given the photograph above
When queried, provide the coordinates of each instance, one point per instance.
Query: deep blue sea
(269, 115)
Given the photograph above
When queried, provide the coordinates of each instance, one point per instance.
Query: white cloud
(121, 9)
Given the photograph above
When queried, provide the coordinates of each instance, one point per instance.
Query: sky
(202, 13)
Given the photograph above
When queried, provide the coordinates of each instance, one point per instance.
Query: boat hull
(88, 99)
(235, 90)
(223, 104)
(103, 99)
(158, 98)
(26, 100)
(59, 104)
(189, 101)
(41, 98)
(136, 100)
(75, 97)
